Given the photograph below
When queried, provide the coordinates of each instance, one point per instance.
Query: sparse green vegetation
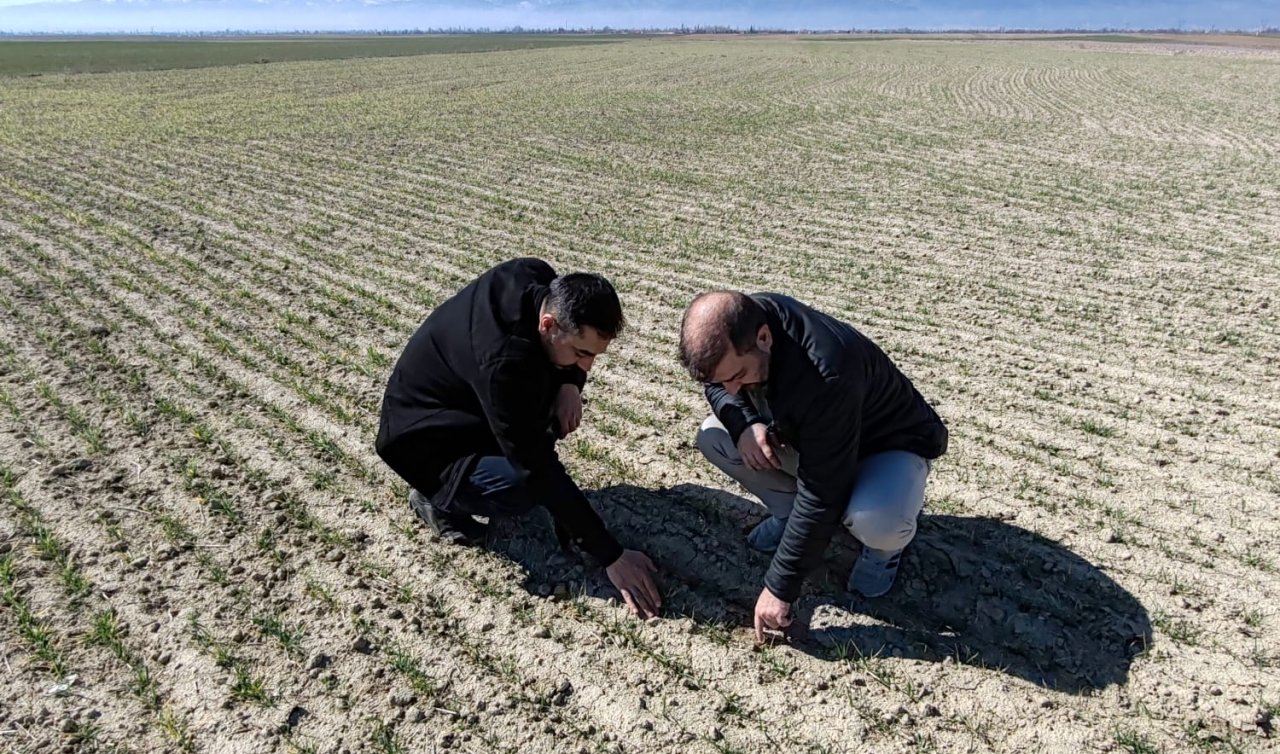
(211, 273)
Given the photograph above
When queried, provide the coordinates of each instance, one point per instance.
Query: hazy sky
(329, 15)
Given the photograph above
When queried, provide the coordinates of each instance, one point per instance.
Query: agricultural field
(36, 56)
(206, 275)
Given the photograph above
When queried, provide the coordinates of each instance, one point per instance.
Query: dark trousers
(494, 488)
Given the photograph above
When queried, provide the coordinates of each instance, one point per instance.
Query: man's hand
(771, 612)
(756, 450)
(568, 409)
(630, 573)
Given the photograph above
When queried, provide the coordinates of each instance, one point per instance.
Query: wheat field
(1072, 248)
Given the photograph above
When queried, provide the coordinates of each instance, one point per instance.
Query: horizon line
(727, 29)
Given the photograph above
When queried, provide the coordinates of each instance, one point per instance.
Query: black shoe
(452, 528)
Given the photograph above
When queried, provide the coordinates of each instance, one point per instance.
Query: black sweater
(836, 398)
(474, 380)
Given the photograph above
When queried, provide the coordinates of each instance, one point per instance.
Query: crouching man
(813, 419)
(483, 390)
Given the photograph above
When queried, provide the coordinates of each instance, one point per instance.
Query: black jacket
(836, 398)
(473, 381)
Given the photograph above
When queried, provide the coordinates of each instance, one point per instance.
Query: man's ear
(764, 338)
(547, 323)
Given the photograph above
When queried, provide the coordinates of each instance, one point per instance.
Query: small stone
(139, 562)
(415, 715)
(401, 698)
(361, 645)
(561, 695)
(69, 725)
(646, 725)
(716, 733)
(71, 467)
(1047, 703)
(319, 660)
(541, 632)
(487, 626)
(1111, 536)
(1263, 719)
(930, 710)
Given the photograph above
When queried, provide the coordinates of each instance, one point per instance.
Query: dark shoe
(452, 528)
(874, 571)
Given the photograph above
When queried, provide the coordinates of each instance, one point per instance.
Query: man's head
(725, 338)
(580, 316)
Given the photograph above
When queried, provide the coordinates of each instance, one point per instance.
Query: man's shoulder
(525, 269)
(827, 345)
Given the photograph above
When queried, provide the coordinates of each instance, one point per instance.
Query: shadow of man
(981, 591)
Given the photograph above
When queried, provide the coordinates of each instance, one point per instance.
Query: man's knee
(881, 528)
(715, 443)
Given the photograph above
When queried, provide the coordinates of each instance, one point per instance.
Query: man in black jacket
(815, 420)
(484, 389)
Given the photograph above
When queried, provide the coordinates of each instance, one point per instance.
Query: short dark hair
(734, 321)
(581, 299)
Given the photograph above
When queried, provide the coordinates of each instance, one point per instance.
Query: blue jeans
(493, 489)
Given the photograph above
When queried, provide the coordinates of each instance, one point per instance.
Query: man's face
(567, 349)
(745, 370)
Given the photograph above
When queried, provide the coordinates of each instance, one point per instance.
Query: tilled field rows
(206, 276)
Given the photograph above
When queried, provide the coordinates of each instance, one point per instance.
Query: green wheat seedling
(1135, 743)
(385, 740)
(74, 582)
(176, 729)
(34, 630)
(246, 687)
(290, 638)
(80, 424)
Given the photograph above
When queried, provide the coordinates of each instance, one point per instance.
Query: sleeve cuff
(781, 588)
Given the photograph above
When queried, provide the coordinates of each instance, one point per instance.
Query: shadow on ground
(978, 590)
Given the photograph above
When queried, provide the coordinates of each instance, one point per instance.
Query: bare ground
(206, 275)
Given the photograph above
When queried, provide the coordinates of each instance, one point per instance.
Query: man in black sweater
(483, 390)
(814, 419)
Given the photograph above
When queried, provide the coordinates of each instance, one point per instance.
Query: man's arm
(573, 512)
(513, 397)
(735, 412)
(829, 436)
(513, 400)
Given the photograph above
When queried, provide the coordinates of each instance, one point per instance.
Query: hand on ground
(771, 612)
(632, 573)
